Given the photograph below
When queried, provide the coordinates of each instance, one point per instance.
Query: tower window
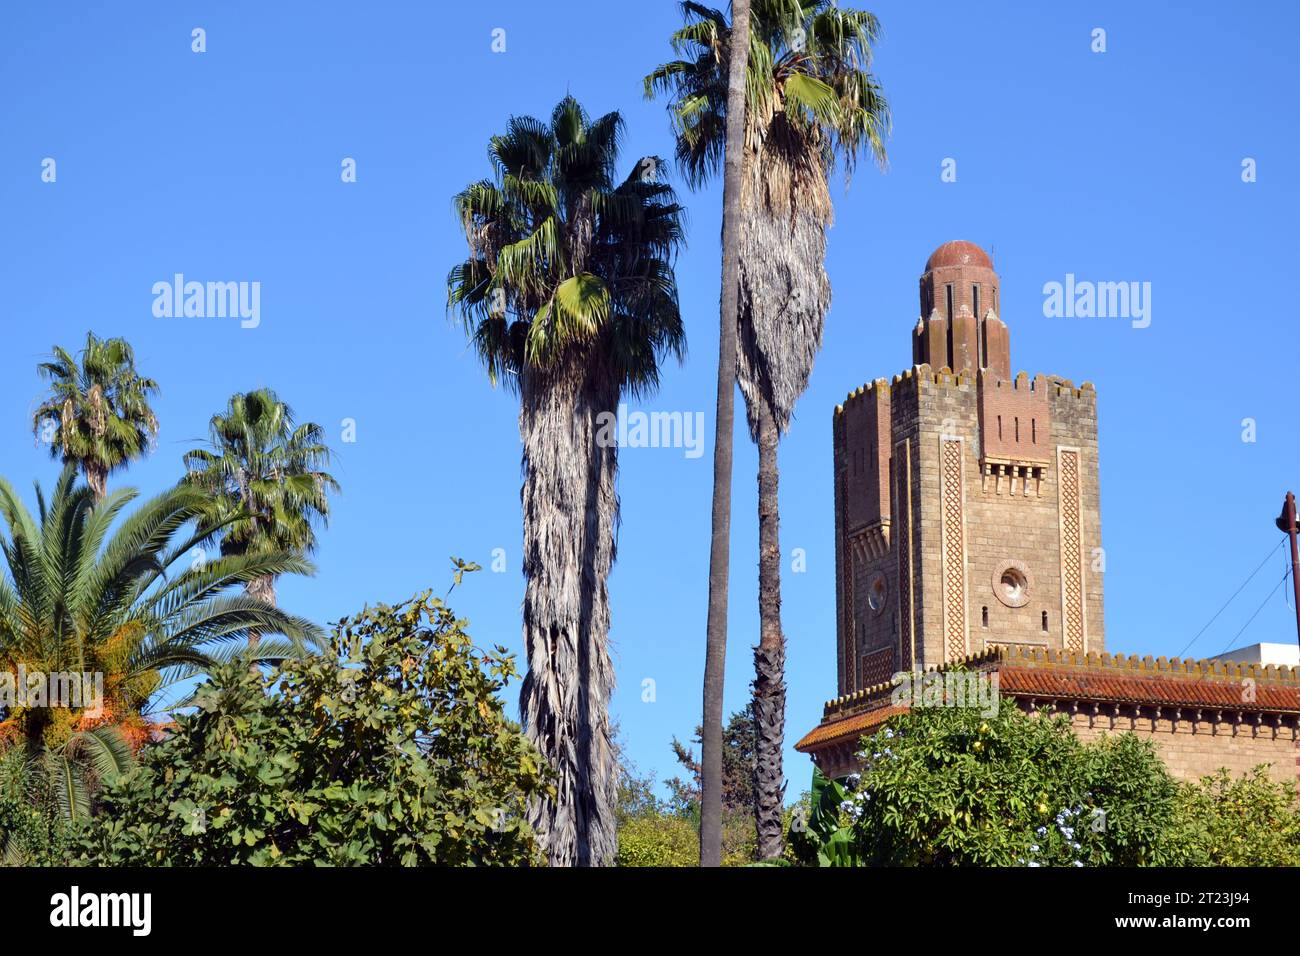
(1017, 428)
(1033, 426)
(985, 616)
(948, 289)
(999, 427)
(1044, 622)
(975, 299)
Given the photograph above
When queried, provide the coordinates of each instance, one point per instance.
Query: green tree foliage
(658, 839)
(97, 413)
(34, 831)
(394, 749)
(948, 786)
(265, 480)
(649, 833)
(654, 832)
(738, 741)
(739, 799)
(95, 588)
(1244, 821)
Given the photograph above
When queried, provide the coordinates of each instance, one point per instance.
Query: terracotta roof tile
(855, 726)
(1154, 690)
(1080, 683)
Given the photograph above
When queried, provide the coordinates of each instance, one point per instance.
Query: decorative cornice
(1119, 665)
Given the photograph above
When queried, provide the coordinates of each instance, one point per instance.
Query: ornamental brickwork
(979, 491)
(968, 534)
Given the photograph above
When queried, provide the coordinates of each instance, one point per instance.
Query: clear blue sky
(225, 166)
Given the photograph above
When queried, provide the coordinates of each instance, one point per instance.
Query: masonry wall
(932, 512)
(865, 565)
(1192, 749)
(969, 525)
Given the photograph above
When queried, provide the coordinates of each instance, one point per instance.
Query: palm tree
(568, 295)
(265, 481)
(97, 412)
(715, 654)
(811, 100)
(81, 592)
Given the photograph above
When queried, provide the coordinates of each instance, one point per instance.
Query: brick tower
(966, 501)
(968, 534)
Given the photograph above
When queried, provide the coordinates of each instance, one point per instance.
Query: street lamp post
(1286, 522)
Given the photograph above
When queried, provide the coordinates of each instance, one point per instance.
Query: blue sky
(225, 166)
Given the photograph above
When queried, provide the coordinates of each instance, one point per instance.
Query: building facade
(968, 531)
(967, 501)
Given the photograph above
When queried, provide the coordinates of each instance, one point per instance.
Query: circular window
(1012, 583)
(877, 592)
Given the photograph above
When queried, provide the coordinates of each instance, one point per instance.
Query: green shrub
(33, 830)
(1246, 821)
(392, 749)
(658, 839)
(948, 786)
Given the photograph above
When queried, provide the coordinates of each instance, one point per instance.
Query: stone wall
(1194, 748)
(972, 522)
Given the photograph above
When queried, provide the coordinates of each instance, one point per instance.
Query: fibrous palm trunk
(785, 295)
(769, 655)
(570, 512)
(715, 654)
(97, 479)
(263, 589)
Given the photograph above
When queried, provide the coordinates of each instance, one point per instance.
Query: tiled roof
(1098, 678)
(857, 725)
(1153, 690)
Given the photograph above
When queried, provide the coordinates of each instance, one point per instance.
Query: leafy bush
(1246, 821)
(33, 829)
(393, 749)
(658, 839)
(947, 786)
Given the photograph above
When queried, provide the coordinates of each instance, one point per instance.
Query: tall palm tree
(97, 412)
(82, 592)
(811, 99)
(715, 653)
(568, 295)
(265, 480)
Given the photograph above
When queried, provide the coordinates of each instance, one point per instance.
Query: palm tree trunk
(570, 512)
(97, 479)
(263, 589)
(715, 654)
(769, 655)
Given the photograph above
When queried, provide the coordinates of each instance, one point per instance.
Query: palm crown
(265, 476)
(562, 259)
(98, 407)
(84, 592)
(808, 66)
(810, 98)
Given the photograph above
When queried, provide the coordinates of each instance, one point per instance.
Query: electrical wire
(1233, 598)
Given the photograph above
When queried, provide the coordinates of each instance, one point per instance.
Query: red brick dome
(959, 252)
